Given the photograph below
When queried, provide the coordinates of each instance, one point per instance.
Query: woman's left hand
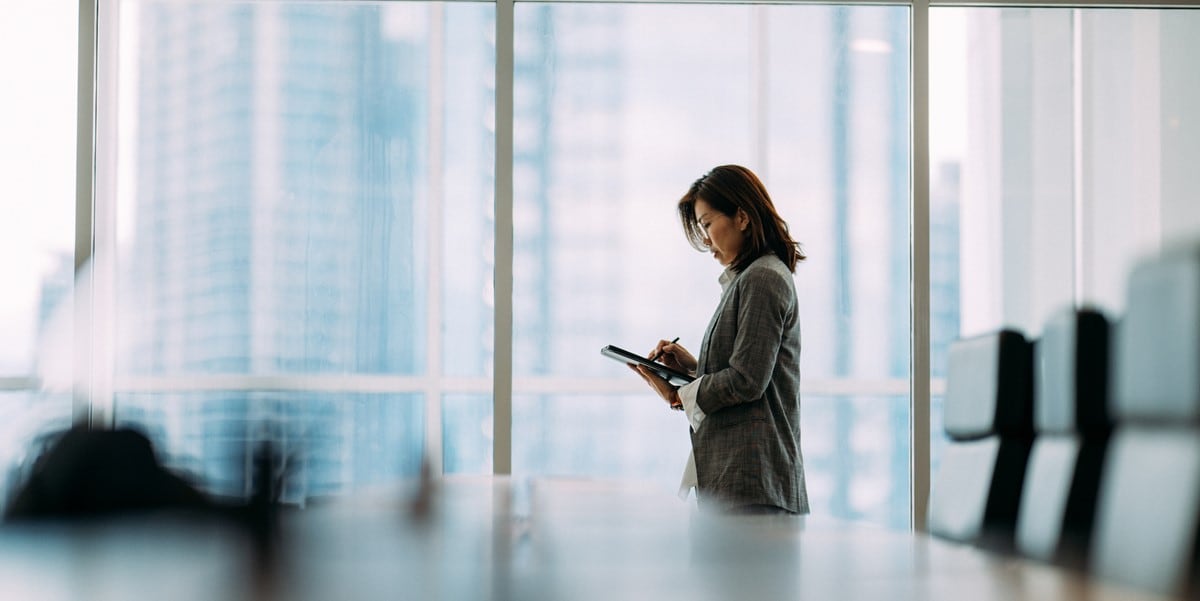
(669, 393)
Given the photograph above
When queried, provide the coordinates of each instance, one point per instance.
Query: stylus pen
(659, 353)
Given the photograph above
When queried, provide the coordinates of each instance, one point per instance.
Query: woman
(744, 406)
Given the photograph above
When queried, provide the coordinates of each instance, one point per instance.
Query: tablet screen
(676, 378)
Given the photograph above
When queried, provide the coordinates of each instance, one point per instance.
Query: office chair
(977, 490)
(1147, 518)
(1072, 426)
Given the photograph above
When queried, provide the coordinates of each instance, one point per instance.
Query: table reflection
(505, 538)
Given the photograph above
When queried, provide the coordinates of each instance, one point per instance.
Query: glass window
(865, 437)
(611, 436)
(1061, 154)
(618, 109)
(1139, 144)
(467, 434)
(305, 192)
(37, 230)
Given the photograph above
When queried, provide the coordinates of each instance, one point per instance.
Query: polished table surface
(503, 538)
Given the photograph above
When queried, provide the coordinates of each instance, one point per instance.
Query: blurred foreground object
(95, 473)
(1148, 514)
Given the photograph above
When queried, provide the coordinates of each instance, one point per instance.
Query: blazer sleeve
(766, 304)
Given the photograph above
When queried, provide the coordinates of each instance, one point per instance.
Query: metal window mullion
(85, 155)
(1077, 167)
(919, 257)
(503, 276)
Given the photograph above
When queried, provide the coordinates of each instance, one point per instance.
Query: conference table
(500, 538)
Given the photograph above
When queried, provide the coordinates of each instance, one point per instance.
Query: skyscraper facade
(277, 231)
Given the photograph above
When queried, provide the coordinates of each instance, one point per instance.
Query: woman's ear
(742, 220)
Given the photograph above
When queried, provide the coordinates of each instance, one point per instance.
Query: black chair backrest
(1058, 503)
(1071, 371)
(988, 417)
(989, 386)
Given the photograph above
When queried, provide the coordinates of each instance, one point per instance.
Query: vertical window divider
(85, 162)
(1077, 187)
(503, 277)
(919, 256)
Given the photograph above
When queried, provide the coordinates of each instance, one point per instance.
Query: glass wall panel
(1140, 142)
(1002, 165)
(630, 436)
(856, 454)
(467, 434)
(618, 109)
(37, 226)
(1062, 152)
(287, 161)
(304, 190)
(37, 176)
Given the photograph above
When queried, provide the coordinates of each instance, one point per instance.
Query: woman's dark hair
(727, 189)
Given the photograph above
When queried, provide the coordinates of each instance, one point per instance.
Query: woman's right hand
(673, 356)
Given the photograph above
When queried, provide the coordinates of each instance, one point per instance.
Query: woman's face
(723, 234)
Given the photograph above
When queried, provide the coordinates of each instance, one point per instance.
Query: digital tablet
(676, 378)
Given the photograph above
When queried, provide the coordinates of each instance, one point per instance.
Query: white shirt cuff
(687, 394)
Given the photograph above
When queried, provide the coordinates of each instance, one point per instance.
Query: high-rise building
(276, 227)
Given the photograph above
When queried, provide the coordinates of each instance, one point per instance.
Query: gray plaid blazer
(747, 449)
